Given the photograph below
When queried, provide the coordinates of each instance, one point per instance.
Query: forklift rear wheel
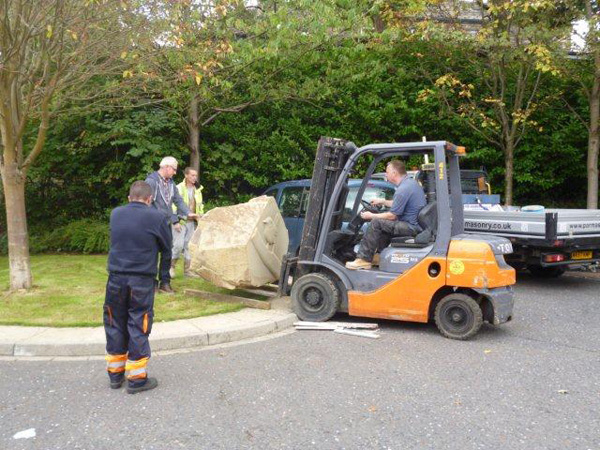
(546, 272)
(458, 316)
(315, 297)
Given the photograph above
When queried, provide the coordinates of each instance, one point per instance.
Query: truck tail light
(558, 243)
(557, 257)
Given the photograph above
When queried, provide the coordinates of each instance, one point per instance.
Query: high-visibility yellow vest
(183, 191)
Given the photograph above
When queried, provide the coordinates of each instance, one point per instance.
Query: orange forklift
(442, 274)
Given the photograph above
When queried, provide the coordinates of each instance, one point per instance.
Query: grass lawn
(69, 291)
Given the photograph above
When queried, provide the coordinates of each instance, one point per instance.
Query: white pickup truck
(545, 241)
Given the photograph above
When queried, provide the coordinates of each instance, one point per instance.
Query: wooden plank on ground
(270, 287)
(258, 291)
(250, 303)
(328, 325)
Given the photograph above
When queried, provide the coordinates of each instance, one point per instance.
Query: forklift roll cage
(450, 219)
(335, 162)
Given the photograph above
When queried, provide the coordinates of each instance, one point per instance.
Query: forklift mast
(332, 155)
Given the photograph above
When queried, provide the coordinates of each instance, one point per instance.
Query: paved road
(532, 384)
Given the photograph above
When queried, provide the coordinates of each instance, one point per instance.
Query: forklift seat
(427, 219)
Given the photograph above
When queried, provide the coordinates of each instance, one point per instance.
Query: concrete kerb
(27, 342)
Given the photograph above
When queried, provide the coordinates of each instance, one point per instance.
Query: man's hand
(366, 215)
(177, 227)
(377, 201)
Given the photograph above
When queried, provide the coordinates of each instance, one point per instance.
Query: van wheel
(458, 316)
(546, 272)
(315, 297)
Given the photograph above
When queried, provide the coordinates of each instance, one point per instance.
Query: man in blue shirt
(400, 220)
(138, 233)
(164, 196)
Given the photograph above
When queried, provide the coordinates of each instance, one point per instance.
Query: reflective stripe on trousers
(116, 363)
(136, 369)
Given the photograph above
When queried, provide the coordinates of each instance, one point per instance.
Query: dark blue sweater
(137, 233)
(158, 202)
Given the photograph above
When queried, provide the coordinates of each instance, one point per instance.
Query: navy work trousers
(128, 314)
(379, 234)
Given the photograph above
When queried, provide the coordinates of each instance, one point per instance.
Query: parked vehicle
(545, 240)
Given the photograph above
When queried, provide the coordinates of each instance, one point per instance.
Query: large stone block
(241, 245)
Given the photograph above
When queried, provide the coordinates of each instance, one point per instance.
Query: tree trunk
(508, 174)
(594, 140)
(18, 238)
(194, 134)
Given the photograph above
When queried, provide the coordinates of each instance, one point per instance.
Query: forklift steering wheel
(368, 207)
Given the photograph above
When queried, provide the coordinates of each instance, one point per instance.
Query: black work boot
(150, 383)
(116, 382)
(165, 288)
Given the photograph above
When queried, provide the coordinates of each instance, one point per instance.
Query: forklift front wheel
(458, 316)
(315, 297)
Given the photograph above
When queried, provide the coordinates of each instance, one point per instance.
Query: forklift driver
(401, 220)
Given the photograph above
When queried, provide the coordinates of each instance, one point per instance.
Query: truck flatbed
(545, 242)
(549, 225)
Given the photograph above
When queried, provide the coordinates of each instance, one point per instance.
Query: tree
(592, 13)
(511, 53)
(50, 50)
(584, 68)
(222, 57)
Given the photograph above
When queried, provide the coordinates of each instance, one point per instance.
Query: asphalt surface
(531, 384)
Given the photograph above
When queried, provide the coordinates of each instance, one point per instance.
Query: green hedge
(82, 236)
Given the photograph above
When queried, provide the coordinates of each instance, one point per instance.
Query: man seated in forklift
(401, 220)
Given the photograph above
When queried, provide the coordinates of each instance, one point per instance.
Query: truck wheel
(458, 316)
(546, 272)
(315, 297)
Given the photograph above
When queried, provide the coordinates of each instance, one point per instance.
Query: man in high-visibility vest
(183, 231)
(138, 233)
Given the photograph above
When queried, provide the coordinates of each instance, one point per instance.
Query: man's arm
(152, 183)
(381, 201)
(387, 215)
(399, 201)
(384, 215)
(165, 242)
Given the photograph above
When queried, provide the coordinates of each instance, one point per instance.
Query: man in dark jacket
(138, 233)
(164, 195)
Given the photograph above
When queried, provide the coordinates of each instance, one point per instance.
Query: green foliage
(81, 236)
(369, 92)
(92, 159)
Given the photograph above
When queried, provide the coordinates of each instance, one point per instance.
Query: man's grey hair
(168, 161)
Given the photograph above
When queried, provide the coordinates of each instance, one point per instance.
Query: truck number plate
(584, 254)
